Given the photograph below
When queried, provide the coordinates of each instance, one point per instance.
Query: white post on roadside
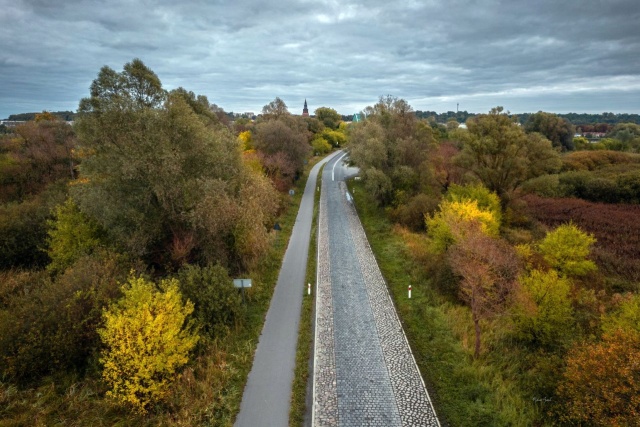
(309, 289)
(409, 291)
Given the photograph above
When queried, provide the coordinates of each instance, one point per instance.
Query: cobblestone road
(364, 372)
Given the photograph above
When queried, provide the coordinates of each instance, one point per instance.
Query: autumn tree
(38, 154)
(502, 156)
(147, 340)
(488, 268)
(556, 129)
(601, 383)
(453, 221)
(284, 147)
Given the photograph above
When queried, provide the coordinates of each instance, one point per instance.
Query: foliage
(335, 138)
(50, 326)
(601, 383)
(566, 249)
(615, 228)
(329, 117)
(543, 316)
(489, 268)
(71, 235)
(486, 200)
(497, 152)
(450, 224)
(412, 213)
(38, 154)
(278, 138)
(593, 160)
(556, 129)
(626, 316)
(167, 183)
(147, 340)
(23, 228)
(246, 139)
(275, 109)
(217, 304)
(320, 146)
(397, 146)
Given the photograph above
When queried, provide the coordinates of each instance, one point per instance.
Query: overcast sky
(551, 55)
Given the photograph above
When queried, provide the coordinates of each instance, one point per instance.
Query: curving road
(267, 395)
(364, 371)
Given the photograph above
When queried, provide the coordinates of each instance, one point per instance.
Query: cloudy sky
(550, 55)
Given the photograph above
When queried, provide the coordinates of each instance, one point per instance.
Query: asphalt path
(267, 395)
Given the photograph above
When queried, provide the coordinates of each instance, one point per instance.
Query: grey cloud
(343, 54)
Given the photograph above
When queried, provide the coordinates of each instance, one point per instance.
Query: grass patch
(465, 392)
(209, 390)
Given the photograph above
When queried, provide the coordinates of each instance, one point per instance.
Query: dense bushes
(217, 303)
(50, 325)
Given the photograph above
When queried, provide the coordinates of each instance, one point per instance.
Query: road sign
(242, 283)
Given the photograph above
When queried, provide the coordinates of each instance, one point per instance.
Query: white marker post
(409, 291)
(309, 289)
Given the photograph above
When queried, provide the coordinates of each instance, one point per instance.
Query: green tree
(329, 117)
(71, 235)
(566, 248)
(556, 129)
(502, 156)
(544, 316)
(217, 304)
(625, 317)
(147, 339)
(166, 182)
(486, 200)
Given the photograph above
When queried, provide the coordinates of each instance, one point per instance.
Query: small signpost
(409, 289)
(242, 283)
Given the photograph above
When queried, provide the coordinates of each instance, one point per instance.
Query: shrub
(217, 304)
(626, 316)
(601, 385)
(487, 200)
(49, 326)
(566, 249)
(543, 316)
(447, 226)
(320, 145)
(71, 235)
(412, 213)
(147, 340)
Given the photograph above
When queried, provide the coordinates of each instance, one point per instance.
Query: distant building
(11, 123)
(305, 110)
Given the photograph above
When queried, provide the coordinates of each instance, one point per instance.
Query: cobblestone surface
(365, 374)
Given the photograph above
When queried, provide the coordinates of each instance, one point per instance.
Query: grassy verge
(207, 393)
(465, 392)
(305, 333)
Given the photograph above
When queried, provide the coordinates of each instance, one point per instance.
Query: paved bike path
(267, 395)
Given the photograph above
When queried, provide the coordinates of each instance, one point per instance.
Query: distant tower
(305, 110)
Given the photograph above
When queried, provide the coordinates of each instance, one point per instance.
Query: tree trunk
(476, 324)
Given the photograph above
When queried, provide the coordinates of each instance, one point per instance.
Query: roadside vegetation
(128, 228)
(523, 264)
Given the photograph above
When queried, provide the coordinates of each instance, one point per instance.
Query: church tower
(305, 110)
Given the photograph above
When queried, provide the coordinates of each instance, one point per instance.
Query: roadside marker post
(409, 291)
(309, 289)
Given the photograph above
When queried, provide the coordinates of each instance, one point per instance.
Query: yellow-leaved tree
(446, 227)
(147, 339)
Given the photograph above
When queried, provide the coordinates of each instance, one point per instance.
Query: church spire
(305, 110)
